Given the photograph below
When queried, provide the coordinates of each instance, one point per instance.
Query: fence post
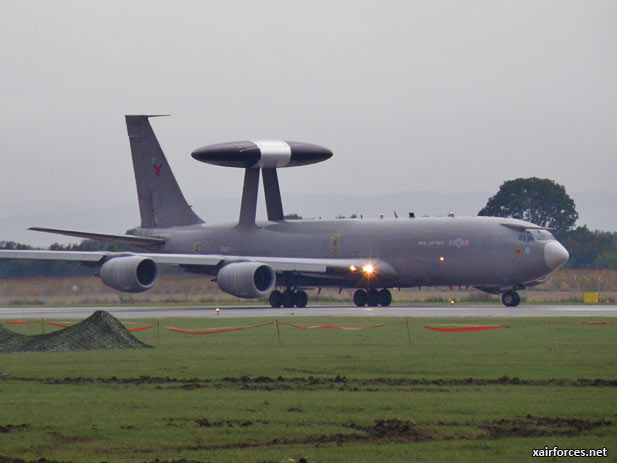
(278, 332)
(554, 338)
(42, 326)
(408, 333)
(158, 333)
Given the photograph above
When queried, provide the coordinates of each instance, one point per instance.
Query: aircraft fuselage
(474, 251)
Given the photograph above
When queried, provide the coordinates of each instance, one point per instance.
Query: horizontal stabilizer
(127, 239)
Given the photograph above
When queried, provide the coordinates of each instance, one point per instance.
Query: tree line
(14, 268)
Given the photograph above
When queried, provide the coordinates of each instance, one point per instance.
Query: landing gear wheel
(287, 299)
(372, 298)
(359, 298)
(300, 299)
(385, 298)
(510, 299)
(276, 299)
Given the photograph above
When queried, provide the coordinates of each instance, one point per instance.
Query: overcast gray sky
(435, 96)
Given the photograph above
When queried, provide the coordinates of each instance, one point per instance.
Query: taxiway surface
(209, 311)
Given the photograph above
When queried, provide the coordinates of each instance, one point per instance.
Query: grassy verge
(324, 396)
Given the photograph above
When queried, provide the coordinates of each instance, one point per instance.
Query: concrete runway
(319, 311)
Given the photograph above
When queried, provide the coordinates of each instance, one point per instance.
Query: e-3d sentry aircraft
(251, 259)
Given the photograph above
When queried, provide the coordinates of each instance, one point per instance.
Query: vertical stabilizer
(161, 202)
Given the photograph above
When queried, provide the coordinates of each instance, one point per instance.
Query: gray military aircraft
(252, 259)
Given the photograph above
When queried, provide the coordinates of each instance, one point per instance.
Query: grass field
(324, 396)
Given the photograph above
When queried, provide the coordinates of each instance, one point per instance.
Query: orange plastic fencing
(61, 325)
(139, 328)
(596, 323)
(332, 327)
(445, 328)
(466, 329)
(224, 329)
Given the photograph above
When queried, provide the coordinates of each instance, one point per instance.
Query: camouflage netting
(99, 331)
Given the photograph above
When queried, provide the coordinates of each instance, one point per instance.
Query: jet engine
(130, 274)
(246, 279)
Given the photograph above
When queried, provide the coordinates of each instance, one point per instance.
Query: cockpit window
(543, 235)
(526, 237)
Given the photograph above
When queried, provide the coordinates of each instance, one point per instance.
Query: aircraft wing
(213, 261)
(127, 239)
(102, 256)
(77, 256)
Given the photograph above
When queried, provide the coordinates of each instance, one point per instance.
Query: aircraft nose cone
(555, 255)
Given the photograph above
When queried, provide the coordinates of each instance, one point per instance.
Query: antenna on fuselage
(267, 155)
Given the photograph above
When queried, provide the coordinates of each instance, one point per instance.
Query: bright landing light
(368, 268)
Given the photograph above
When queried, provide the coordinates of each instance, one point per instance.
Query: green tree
(537, 200)
(606, 259)
(590, 249)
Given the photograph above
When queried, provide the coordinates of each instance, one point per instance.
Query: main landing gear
(288, 298)
(372, 298)
(510, 299)
(298, 298)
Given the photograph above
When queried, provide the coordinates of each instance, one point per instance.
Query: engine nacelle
(246, 279)
(130, 274)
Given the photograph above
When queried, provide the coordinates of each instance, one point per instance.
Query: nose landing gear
(510, 299)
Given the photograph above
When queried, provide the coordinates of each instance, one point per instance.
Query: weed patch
(13, 427)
